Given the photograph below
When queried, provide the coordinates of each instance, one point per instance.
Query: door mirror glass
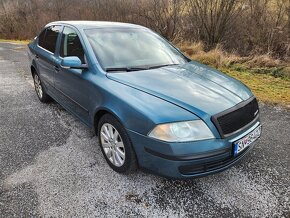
(72, 62)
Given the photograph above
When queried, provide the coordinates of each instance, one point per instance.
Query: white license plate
(244, 142)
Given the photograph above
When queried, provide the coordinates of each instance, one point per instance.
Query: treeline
(242, 26)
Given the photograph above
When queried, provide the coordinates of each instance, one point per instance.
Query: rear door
(45, 55)
(73, 84)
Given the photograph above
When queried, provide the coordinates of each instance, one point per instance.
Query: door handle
(56, 68)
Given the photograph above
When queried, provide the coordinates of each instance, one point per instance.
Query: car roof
(86, 24)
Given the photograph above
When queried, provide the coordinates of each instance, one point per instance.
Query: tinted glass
(48, 40)
(41, 38)
(71, 44)
(129, 48)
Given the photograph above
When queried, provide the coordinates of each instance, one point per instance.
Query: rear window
(47, 39)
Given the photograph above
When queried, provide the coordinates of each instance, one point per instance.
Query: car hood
(192, 86)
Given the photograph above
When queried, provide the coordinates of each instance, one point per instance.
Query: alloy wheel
(38, 87)
(112, 144)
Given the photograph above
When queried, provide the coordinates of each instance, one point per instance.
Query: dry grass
(23, 42)
(267, 88)
(217, 57)
(267, 77)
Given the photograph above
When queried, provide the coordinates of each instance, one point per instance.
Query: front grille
(233, 119)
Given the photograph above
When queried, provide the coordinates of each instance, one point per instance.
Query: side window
(71, 44)
(41, 38)
(47, 39)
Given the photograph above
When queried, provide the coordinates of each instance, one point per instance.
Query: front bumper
(187, 160)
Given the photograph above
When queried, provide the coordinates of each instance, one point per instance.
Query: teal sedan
(150, 106)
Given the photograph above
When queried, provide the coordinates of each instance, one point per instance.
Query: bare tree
(246, 26)
(213, 18)
(58, 8)
(288, 27)
(164, 16)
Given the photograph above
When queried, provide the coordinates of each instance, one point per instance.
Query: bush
(218, 58)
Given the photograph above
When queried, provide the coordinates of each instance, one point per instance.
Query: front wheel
(42, 96)
(116, 145)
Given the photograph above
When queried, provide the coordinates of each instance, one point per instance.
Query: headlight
(182, 131)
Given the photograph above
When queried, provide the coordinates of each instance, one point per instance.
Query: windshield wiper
(127, 69)
(163, 65)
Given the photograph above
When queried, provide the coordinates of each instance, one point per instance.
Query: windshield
(132, 49)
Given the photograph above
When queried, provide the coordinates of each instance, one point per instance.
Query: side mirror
(72, 62)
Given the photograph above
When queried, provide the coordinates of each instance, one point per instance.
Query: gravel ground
(52, 166)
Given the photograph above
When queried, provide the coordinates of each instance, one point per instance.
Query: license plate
(244, 142)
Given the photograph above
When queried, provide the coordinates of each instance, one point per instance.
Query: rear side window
(41, 38)
(71, 44)
(48, 37)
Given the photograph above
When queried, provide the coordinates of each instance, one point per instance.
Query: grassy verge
(22, 42)
(267, 88)
(268, 78)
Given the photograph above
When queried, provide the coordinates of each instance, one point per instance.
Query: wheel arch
(101, 112)
(33, 68)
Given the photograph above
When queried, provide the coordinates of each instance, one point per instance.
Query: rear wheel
(42, 95)
(116, 145)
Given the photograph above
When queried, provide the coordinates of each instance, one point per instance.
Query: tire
(112, 143)
(40, 91)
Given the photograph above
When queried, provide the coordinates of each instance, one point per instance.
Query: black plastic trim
(213, 165)
(190, 157)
